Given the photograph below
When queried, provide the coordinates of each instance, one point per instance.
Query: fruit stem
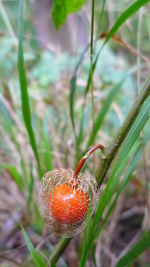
(83, 159)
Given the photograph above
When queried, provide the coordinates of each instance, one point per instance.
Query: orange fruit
(68, 205)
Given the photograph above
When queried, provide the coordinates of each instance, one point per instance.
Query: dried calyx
(65, 197)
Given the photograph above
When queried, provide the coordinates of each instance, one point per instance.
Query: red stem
(83, 159)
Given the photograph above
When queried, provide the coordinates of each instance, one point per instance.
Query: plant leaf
(123, 17)
(124, 156)
(135, 251)
(38, 260)
(46, 147)
(73, 88)
(14, 173)
(62, 8)
(30, 185)
(126, 179)
(86, 233)
(120, 21)
(103, 111)
(24, 90)
(130, 140)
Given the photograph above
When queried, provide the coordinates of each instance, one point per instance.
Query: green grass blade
(22, 161)
(130, 140)
(120, 21)
(85, 94)
(38, 260)
(123, 17)
(100, 16)
(126, 179)
(80, 135)
(89, 77)
(46, 147)
(86, 234)
(73, 87)
(24, 91)
(134, 131)
(104, 200)
(30, 185)
(53, 264)
(102, 113)
(93, 255)
(125, 154)
(96, 59)
(100, 118)
(135, 251)
(71, 102)
(47, 154)
(14, 173)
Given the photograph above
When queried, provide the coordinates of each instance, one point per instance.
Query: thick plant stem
(58, 250)
(109, 155)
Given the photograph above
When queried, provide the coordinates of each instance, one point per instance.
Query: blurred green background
(51, 57)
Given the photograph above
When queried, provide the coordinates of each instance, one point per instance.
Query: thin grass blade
(135, 251)
(129, 142)
(73, 87)
(126, 179)
(120, 21)
(38, 260)
(14, 173)
(24, 90)
(86, 233)
(123, 17)
(30, 185)
(102, 113)
(46, 147)
(124, 156)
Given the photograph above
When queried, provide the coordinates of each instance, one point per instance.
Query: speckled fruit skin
(68, 205)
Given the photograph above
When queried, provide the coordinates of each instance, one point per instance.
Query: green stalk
(110, 153)
(91, 67)
(58, 250)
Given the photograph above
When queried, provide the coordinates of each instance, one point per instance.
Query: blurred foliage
(49, 73)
